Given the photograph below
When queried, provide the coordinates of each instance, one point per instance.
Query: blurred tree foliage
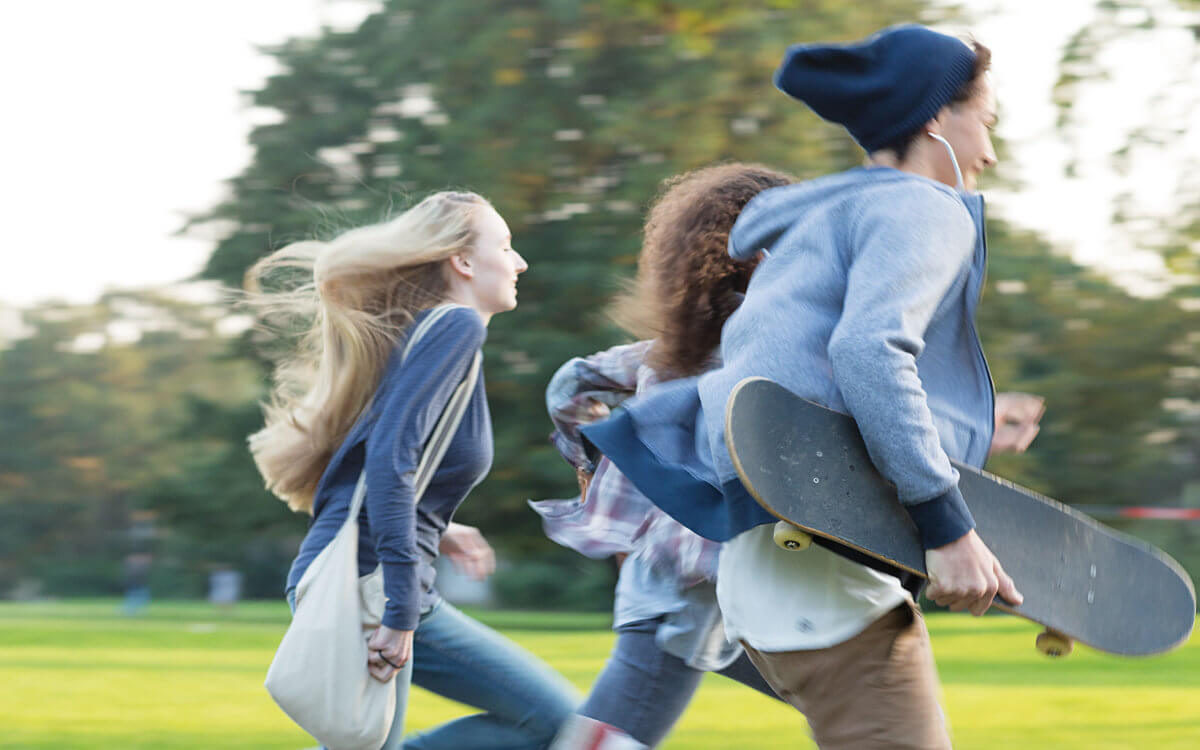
(567, 114)
(93, 405)
(1161, 132)
(1116, 371)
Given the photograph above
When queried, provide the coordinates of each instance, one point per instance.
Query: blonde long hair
(358, 295)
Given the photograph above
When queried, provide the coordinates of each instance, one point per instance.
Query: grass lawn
(76, 674)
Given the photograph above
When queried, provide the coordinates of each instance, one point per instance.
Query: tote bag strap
(443, 431)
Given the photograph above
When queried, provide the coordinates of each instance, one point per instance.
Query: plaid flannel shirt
(614, 518)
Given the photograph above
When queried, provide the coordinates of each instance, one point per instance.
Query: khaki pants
(878, 689)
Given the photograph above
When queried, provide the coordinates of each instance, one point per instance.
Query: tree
(567, 115)
(1156, 133)
(88, 405)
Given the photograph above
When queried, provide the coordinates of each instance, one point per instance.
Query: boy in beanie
(865, 303)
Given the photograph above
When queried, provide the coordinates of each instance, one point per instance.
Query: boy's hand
(964, 574)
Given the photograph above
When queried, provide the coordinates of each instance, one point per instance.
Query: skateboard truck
(790, 538)
(1054, 644)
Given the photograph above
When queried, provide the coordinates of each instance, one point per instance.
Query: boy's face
(968, 128)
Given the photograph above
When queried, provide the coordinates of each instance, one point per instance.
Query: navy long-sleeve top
(394, 530)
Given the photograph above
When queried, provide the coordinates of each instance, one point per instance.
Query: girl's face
(493, 265)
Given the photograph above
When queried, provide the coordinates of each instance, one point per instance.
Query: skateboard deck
(808, 466)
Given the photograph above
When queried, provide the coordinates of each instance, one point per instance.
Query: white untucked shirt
(779, 600)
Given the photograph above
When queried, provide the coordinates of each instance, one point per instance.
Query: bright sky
(1027, 38)
(124, 116)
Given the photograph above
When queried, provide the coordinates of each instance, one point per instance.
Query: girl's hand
(585, 480)
(387, 651)
(469, 551)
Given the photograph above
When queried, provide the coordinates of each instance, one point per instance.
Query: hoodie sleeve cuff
(941, 520)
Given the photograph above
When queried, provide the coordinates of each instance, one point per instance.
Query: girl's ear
(461, 265)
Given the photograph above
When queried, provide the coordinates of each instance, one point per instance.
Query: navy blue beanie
(881, 88)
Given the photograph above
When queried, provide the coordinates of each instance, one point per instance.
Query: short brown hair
(687, 283)
(983, 63)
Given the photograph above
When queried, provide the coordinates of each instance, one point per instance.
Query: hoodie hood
(772, 213)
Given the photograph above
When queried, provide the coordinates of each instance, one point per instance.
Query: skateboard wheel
(1054, 644)
(791, 538)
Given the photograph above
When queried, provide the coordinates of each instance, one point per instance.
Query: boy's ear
(935, 124)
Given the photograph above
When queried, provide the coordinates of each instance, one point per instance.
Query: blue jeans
(643, 690)
(524, 701)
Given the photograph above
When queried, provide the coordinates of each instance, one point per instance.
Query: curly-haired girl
(668, 625)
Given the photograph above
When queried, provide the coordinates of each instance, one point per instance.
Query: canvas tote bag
(319, 674)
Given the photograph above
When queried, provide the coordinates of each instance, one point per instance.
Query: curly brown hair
(687, 285)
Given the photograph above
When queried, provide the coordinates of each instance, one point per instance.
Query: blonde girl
(345, 401)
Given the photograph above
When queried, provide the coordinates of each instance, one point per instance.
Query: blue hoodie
(865, 304)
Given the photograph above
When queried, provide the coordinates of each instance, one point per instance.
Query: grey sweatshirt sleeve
(412, 401)
(909, 248)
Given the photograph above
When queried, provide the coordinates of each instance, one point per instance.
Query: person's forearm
(392, 513)
(911, 254)
(881, 389)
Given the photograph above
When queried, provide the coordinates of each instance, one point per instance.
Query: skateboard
(808, 466)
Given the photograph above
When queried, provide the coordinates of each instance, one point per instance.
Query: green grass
(77, 675)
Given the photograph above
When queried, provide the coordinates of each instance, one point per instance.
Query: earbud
(953, 159)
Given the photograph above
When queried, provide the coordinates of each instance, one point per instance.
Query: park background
(123, 413)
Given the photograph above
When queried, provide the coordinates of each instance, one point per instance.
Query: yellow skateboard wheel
(791, 538)
(1054, 644)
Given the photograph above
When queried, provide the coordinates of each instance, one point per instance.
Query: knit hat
(881, 88)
